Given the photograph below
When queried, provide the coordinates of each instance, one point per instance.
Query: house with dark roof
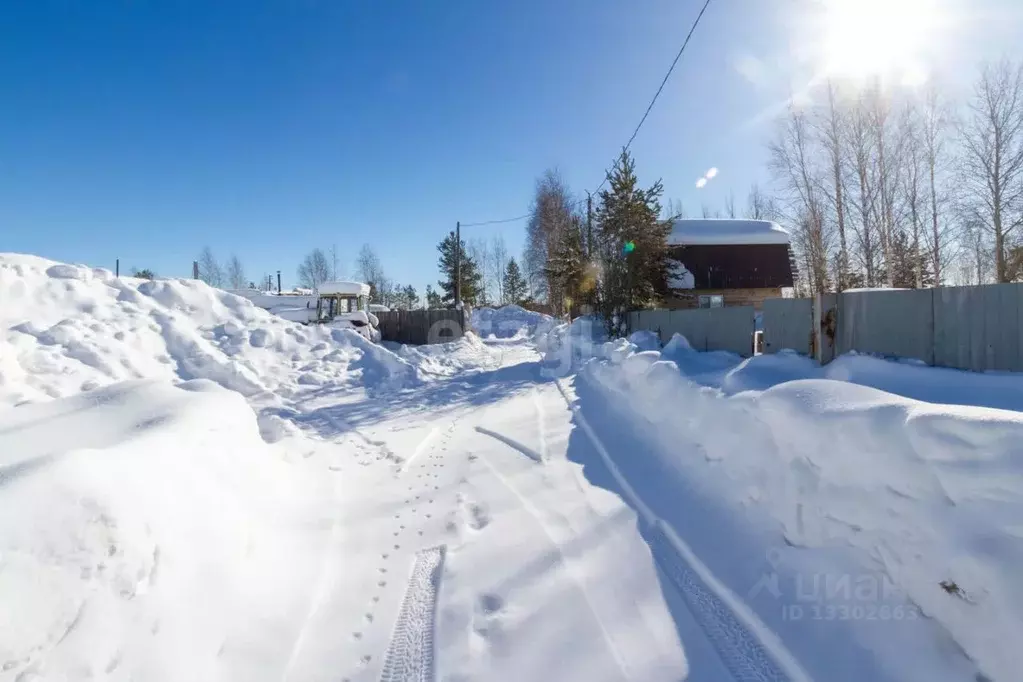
(728, 262)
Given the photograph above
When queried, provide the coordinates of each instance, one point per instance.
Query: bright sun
(878, 38)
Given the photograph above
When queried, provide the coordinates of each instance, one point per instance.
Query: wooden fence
(421, 326)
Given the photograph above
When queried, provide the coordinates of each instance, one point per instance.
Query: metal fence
(788, 323)
(976, 328)
(728, 329)
(421, 326)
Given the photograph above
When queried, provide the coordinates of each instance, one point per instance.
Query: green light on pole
(630, 247)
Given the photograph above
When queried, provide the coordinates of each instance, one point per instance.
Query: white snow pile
(146, 524)
(67, 328)
(841, 479)
(466, 354)
(144, 527)
(509, 321)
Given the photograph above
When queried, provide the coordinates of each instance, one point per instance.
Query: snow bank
(855, 480)
(67, 328)
(466, 354)
(144, 528)
(724, 231)
(509, 321)
(908, 378)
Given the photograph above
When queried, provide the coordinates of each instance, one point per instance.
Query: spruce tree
(471, 278)
(411, 297)
(566, 265)
(632, 245)
(432, 298)
(515, 289)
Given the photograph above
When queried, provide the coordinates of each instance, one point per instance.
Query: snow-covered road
(466, 527)
(463, 528)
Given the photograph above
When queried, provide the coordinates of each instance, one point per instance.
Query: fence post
(825, 327)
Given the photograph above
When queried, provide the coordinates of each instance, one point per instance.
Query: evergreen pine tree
(904, 263)
(566, 265)
(411, 297)
(432, 298)
(472, 279)
(631, 243)
(515, 289)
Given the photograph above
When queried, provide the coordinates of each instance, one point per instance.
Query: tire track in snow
(410, 654)
(570, 567)
(749, 650)
(539, 424)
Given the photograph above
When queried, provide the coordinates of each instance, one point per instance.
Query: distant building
(728, 263)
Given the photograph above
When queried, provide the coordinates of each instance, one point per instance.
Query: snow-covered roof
(344, 288)
(720, 232)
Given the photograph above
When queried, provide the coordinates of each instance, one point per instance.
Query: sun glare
(878, 38)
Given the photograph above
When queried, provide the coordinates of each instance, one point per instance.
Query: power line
(635, 132)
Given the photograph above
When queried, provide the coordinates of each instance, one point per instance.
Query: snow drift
(144, 527)
(836, 479)
(509, 321)
(67, 328)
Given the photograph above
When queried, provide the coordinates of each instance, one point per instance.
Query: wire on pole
(664, 81)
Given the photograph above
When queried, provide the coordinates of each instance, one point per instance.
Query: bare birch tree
(235, 273)
(496, 268)
(209, 269)
(730, 205)
(992, 163)
(934, 122)
(792, 161)
(759, 206)
(830, 126)
(314, 269)
(860, 155)
(912, 186)
(551, 217)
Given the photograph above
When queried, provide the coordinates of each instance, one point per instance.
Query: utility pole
(278, 282)
(195, 269)
(458, 265)
(589, 225)
(117, 268)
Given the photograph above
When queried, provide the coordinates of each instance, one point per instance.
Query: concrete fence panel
(788, 323)
(899, 323)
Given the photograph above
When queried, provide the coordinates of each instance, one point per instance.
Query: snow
(344, 288)
(194, 489)
(509, 321)
(680, 278)
(143, 528)
(832, 479)
(724, 231)
(67, 328)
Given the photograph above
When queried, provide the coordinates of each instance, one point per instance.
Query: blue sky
(146, 130)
